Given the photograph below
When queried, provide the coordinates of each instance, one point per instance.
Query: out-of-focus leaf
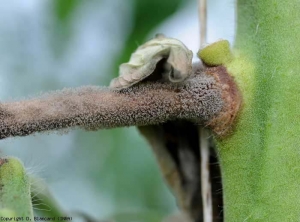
(147, 15)
(63, 9)
(124, 169)
(42, 199)
(141, 216)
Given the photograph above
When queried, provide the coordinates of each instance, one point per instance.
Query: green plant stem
(14, 189)
(261, 160)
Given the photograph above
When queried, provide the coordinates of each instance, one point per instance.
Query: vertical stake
(206, 189)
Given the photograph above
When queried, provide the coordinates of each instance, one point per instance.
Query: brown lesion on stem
(223, 123)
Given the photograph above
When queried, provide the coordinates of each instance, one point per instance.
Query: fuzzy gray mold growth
(198, 99)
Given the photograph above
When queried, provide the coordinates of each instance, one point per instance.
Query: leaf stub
(217, 53)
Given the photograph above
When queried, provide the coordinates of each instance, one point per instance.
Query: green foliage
(15, 198)
(260, 160)
(147, 15)
(63, 9)
(42, 197)
(138, 216)
(128, 173)
(62, 12)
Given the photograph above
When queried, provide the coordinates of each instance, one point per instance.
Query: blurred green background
(52, 44)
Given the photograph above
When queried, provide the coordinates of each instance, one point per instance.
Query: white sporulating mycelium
(198, 99)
